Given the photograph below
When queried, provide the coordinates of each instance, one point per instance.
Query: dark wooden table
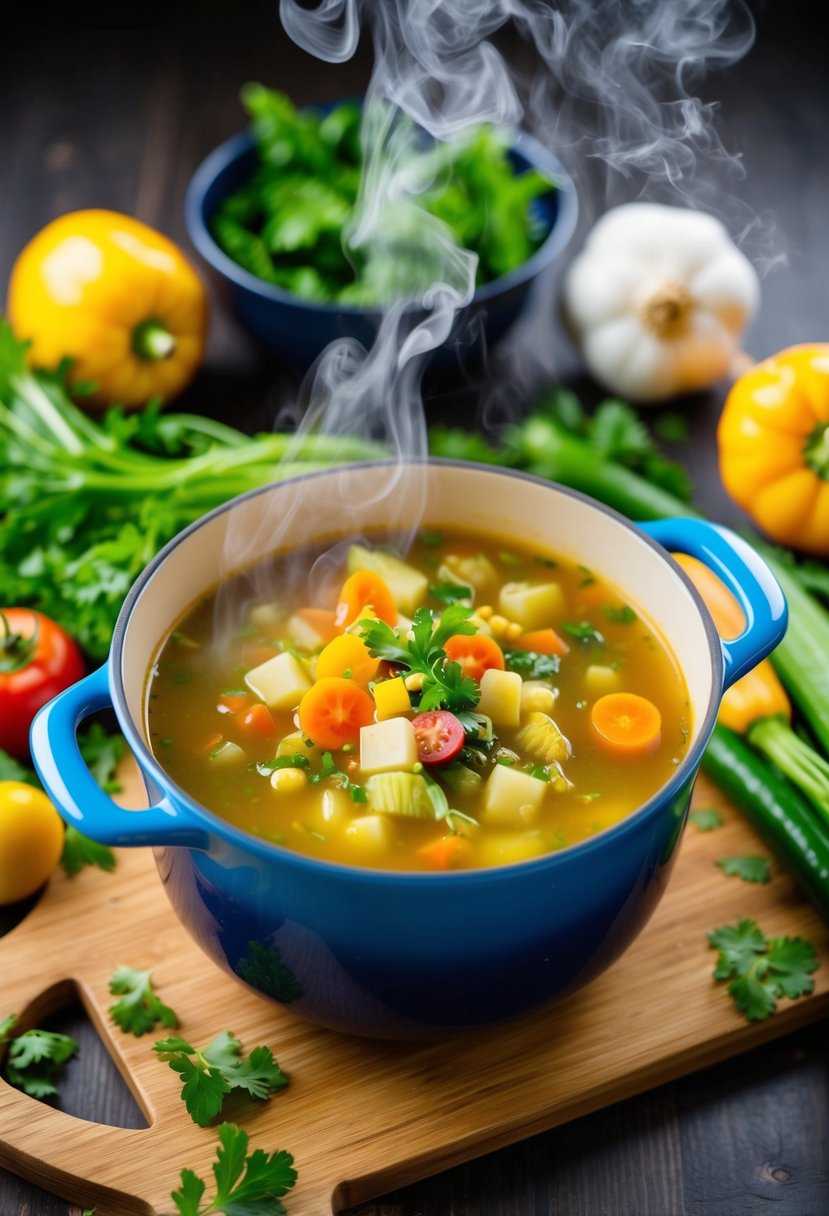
(103, 106)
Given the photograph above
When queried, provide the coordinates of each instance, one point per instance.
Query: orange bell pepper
(773, 440)
(121, 300)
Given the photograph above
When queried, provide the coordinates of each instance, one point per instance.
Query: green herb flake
(749, 868)
(762, 970)
(706, 819)
(509, 559)
(583, 631)
(35, 1058)
(623, 615)
(549, 562)
(450, 593)
(531, 665)
(431, 538)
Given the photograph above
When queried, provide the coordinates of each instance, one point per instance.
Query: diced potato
(407, 585)
(474, 569)
(537, 696)
(303, 634)
(266, 617)
(228, 755)
(370, 832)
(512, 798)
(599, 679)
(508, 848)
(532, 605)
(391, 698)
(280, 682)
(335, 807)
(501, 697)
(387, 747)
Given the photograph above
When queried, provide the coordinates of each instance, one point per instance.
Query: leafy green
(583, 631)
(13, 770)
(292, 221)
(87, 504)
(245, 1185)
(623, 615)
(35, 1058)
(706, 819)
(761, 970)
(444, 684)
(450, 593)
(79, 851)
(262, 968)
(139, 1010)
(531, 665)
(102, 751)
(208, 1075)
(748, 868)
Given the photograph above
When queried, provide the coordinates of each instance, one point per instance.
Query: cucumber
(407, 585)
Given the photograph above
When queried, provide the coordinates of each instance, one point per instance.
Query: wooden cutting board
(362, 1117)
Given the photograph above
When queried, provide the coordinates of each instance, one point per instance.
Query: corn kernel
(499, 625)
(514, 631)
(485, 611)
(391, 698)
(414, 681)
(288, 780)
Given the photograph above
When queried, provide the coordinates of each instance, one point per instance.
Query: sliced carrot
(347, 654)
(476, 654)
(362, 590)
(448, 853)
(232, 702)
(626, 723)
(321, 620)
(542, 641)
(333, 711)
(210, 744)
(257, 721)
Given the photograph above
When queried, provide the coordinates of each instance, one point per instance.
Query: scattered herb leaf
(748, 868)
(450, 593)
(622, 616)
(761, 970)
(208, 1075)
(35, 1057)
(706, 819)
(245, 1185)
(79, 851)
(583, 631)
(139, 1010)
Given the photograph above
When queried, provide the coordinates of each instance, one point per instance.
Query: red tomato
(37, 661)
(439, 736)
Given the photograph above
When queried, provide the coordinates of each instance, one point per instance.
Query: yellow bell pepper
(773, 440)
(117, 297)
(756, 695)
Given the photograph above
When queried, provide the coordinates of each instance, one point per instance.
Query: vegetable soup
(477, 703)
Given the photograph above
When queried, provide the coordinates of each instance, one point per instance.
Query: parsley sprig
(139, 1010)
(762, 969)
(444, 685)
(35, 1057)
(210, 1073)
(253, 1185)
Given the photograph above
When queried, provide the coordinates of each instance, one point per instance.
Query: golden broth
(201, 727)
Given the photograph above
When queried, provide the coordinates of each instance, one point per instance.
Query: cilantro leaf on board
(35, 1057)
(80, 851)
(706, 819)
(209, 1074)
(139, 1009)
(245, 1185)
(761, 969)
(748, 868)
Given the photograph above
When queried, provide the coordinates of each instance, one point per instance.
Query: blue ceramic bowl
(404, 954)
(298, 330)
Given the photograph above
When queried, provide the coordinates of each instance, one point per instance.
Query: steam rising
(607, 84)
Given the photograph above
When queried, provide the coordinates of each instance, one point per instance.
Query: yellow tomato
(31, 840)
(117, 297)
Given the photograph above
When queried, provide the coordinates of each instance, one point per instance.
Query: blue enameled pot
(404, 954)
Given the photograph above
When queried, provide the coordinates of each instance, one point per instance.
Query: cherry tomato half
(37, 661)
(439, 736)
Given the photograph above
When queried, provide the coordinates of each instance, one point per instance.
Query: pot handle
(746, 576)
(73, 789)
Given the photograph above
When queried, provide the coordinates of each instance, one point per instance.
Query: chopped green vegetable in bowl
(291, 222)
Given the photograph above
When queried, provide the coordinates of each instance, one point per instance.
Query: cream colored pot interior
(336, 503)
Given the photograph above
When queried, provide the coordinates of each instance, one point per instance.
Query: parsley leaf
(102, 751)
(706, 819)
(444, 685)
(139, 1009)
(245, 1186)
(761, 969)
(622, 616)
(450, 593)
(35, 1058)
(532, 665)
(80, 851)
(749, 868)
(208, 1075)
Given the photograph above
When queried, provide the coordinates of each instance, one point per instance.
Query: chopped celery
(400, 794)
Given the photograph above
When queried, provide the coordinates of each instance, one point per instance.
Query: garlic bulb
(657, 300)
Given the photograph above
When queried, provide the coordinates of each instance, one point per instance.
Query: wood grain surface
(362, 1117)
